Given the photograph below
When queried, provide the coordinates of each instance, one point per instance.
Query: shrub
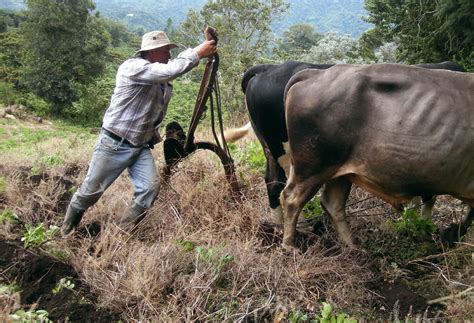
(8, 94)
(36, 104)
(412, 225)
(93, 100)
(182, 103)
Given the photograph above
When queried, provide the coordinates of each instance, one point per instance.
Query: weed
(206, 254)
(326, 316)
(64, 282)
(3, 185)
(37, 235)
(52, 160)
(9, 289)
(8, 216)
(313, 209)
(297, 317)
(186, 244)
(251, 154)
(30, 316)
(412, 225)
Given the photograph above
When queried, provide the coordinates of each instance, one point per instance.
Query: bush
(93, 101)
(36, 104)
(182, 103)
(8, 94)
(412, 225)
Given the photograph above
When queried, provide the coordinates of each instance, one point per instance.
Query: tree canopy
(426, 30)
(63, 44)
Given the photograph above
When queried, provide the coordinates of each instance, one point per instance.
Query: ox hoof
(289, 249)
(452, 234)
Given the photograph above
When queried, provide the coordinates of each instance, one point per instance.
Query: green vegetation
(37, 235)
(63, 283)
(251, 154)
(3, 184)
(413, 226)
(313, 209)
(326, 316)
(62, 60)
(425, 30)
(215, 256)
(9, 289)
(8, 216)
(30, 316)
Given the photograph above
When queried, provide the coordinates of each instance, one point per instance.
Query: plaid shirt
(141, 96)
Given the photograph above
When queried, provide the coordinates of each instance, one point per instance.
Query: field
(201, 255)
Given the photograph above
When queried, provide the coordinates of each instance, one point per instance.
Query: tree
(297, 40)
(64, 44)
(334, 48)
(244, 34)
(426, 30)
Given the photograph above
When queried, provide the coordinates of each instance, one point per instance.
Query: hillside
(343, 16)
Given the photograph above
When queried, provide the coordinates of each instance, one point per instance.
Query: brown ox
(396, 131)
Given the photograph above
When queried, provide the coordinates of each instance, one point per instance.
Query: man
(130, 127)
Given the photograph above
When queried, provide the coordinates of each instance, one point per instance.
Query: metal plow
(178, 145)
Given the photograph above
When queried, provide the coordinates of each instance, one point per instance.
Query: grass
(199, 255)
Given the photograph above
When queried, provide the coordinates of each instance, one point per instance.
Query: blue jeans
(109, 159)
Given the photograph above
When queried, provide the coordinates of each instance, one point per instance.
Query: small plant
(251, 154)
(37, 235)
(9, 289)
(8, 216)
(30, 316)
(297, 317)
(52, 160)
(313, 209)
(64, 282)
(186, 244)
(412, 225)
(326, 316)
(206, 254)
(3, 185)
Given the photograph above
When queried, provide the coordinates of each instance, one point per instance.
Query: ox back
(396, 131)
(264, 87)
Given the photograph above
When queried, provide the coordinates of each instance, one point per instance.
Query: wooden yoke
(177, 145)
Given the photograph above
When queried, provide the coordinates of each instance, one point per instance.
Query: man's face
(160, 55)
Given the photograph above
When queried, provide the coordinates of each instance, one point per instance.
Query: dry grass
(200, 255)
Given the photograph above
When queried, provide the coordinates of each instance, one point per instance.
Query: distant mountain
(343, 16)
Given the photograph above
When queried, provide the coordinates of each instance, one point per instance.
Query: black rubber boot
(132, 216)
(71, 220)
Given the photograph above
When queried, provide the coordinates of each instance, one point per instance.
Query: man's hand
(206, 49)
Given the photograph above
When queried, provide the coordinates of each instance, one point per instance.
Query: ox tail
(234, 134)
(251, 72)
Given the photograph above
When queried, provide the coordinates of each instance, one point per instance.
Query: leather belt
(118, 138)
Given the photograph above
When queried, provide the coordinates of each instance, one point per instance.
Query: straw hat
(155, 39)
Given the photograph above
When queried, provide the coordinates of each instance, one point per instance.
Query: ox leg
(275, 180)
(427, 204)
(455, 231)
(293, 197)
(333, 201)
(427, 207)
